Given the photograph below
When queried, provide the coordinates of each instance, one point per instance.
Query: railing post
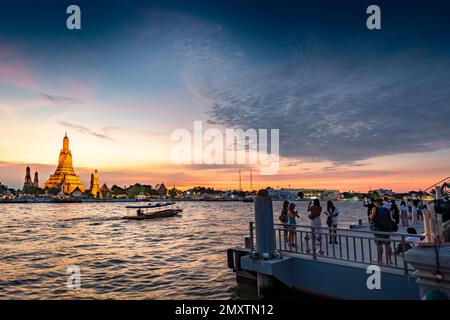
(252, 240)
(405, 264)
(313, 244)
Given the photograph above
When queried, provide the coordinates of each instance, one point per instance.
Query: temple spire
(66, 143)
(36, 179)
(65, 176)
(28, 182)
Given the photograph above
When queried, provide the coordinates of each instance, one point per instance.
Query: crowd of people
(409, 210)
(384, 216)
(289, 214)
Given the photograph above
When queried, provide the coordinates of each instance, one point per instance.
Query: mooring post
(265, 238)
(265, 232)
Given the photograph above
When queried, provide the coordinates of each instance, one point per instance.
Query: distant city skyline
(357, 109)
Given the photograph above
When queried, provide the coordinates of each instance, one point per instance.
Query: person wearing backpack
(284, 219)
(381, 221)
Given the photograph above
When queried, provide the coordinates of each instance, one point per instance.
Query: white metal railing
(356, 246)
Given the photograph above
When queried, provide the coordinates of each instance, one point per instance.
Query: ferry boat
(152, 211)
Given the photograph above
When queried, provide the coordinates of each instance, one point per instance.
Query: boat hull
(158, 214)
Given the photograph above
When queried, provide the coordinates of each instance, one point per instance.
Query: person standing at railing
(409, 204)
(404, 213)
(332, 214)
(369, 205)
(381, 221)
(284, 219)
(415, 214)
(420, 209)
(316, 224)
(292, 214)
(395, 212)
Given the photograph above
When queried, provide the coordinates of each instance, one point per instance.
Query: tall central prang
(65, 176)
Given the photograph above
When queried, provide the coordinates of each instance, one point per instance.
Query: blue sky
(340, 94)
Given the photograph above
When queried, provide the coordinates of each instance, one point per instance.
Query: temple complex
(64, 176)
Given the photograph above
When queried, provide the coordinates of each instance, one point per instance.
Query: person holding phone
(369, 205)
(332, 214)
(292, 214)
(315, 211)
(284, 219)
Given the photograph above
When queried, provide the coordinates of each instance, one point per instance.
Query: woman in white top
(316, 224)
(404, 214)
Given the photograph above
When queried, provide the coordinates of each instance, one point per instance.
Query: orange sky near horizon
(128, 164)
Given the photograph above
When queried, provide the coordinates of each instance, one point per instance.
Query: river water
(181, 257)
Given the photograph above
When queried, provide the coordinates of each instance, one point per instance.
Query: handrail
(347, 230)
(356, 236)
(350, 230)
(351, 245)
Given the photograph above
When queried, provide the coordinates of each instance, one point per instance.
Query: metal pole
(313, 243)
(252, 240)
(405, 264)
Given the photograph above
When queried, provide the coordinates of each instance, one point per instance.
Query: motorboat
(153, 210)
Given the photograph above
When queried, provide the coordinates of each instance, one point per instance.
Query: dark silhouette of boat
(147, 212)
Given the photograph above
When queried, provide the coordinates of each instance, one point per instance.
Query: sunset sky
(356, 108)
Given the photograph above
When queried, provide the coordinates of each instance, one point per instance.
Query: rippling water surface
(181, 257)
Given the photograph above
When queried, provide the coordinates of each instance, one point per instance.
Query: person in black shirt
(381, 221)
(369, 205)
(395, 212)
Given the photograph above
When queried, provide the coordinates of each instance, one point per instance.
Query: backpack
(383, 221)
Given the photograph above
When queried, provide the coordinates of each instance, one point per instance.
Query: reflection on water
(181, 257)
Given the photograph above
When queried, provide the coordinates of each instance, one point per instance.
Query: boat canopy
(151, 205)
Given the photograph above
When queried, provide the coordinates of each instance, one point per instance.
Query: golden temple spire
(66, 143)
(65, 176)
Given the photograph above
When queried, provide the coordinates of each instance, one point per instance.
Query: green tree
(33, 191)
(54, 191)
(118, 191)
(172, 193)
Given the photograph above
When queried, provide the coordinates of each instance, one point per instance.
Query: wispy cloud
(85, 130)
(60, 99)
